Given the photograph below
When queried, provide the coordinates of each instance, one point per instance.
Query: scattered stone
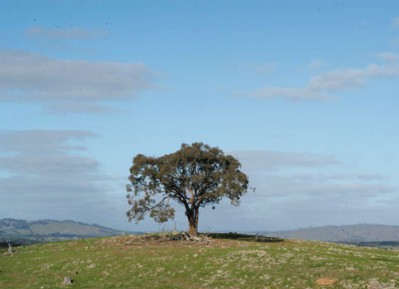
(10, 250)
(67, 281)
(376, 284)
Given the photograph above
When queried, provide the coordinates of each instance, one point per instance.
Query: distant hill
(25, 232)
(363, 234)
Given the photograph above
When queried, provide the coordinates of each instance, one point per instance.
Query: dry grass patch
(325, 281)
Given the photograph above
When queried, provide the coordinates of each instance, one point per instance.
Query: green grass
(119, 262)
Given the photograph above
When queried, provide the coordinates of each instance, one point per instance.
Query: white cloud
(74, 33)
(325, 85)
(69, 84)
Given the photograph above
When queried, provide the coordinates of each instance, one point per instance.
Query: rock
(67, 281)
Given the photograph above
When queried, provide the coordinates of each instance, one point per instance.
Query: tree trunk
(192, 216)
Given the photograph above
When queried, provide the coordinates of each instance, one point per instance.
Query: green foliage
(195, 176)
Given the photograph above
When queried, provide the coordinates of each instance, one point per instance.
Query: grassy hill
(141, 262)
(25, 232)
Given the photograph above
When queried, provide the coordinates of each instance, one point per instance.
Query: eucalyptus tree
(194, 177)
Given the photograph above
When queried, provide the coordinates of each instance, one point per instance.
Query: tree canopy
(195, 176)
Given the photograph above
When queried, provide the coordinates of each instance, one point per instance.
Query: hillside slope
(131, 262)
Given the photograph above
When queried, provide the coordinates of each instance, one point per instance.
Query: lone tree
(195, 176)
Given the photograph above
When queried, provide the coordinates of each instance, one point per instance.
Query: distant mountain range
(362, 234)
(25, 232)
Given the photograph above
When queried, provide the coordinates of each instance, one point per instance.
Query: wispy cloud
(42, 141)
(349, 78)
(45, 173)
(290, 93)
(72, 85)
(266, 160)
(305, 189)
(73, 33)
(395, 23)
(333, 186)
(316, 64)
(388, 56)
(282, 173)
(325, 85)
(47, 154)
(265, 69)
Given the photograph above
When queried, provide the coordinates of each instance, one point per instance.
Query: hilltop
(152, 262)
(25, 232)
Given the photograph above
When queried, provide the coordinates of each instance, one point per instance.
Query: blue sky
(303, 93)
